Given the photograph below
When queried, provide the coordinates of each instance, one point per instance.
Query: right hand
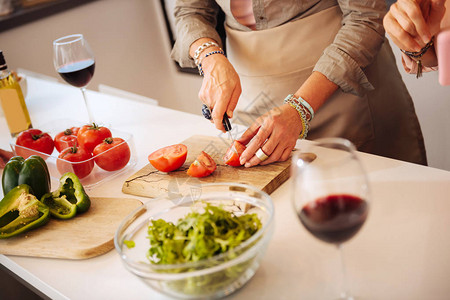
(412, 23)
(220, 89)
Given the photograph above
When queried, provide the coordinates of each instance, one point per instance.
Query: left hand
(276, 133)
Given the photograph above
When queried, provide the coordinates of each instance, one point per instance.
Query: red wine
(79, 73)
(334, 218)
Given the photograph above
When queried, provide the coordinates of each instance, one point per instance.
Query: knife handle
(225, 121)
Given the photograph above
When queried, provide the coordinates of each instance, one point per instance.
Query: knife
(206, 111)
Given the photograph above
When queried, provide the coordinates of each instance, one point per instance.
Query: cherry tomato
(169, 158)
(77, 160)
(112, 154)
(233, 154)
(203, 166)
(66, 138)
(34, 139)
(91, 135)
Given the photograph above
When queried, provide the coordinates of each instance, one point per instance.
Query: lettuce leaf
(199, 236)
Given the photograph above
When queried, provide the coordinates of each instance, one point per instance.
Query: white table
(402, 252)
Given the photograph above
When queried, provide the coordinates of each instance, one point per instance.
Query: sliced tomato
(203, 166)
(169, 158)
(233, 154)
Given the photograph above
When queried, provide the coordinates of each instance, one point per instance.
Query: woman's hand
(275, 133)
(221, 87)
(412, 23)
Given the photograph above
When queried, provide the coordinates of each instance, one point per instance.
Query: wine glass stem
(91, 119)
(345, 294)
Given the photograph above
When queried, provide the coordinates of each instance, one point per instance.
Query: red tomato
(66, 138)
(169, 158)
(36, 140)
(76, 160)
(203, 166)
(112, 154)
(74, 130)
(233, 154)
(91, 135)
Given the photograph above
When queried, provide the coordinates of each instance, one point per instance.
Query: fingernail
(426, 38)
(248, 165)
(230, 114)
(242, 161)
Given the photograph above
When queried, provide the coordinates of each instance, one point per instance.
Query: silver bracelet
(200, 50)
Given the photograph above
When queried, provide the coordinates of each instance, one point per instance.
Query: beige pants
(275, 62)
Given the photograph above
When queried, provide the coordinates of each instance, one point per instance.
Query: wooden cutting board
(149, 182)
(87, 235)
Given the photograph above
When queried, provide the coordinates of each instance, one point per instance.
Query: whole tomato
(91, 135)
(76, 160)
(112, 154)
(34, 139)
(66, 138)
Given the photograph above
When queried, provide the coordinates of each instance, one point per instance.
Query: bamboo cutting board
(87, 235)
(149, 182)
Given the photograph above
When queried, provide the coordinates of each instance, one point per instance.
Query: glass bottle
(12, 100)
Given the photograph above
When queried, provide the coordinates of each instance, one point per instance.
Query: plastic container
(97, 174)
(210, 278)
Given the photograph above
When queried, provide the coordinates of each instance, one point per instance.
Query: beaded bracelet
(305, 111)
(201, 48)
(304, 103)
(199, 66)
(417, 56)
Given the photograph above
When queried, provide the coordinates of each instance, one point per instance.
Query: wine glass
(331, 194)
(75, 62)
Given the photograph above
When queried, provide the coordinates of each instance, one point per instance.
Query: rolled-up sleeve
(194, 20)
(355, 45)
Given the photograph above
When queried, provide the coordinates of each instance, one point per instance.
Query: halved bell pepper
(69, 199)
(21, 211)
(32, 171)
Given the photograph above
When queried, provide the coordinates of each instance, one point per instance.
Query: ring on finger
(261, 155)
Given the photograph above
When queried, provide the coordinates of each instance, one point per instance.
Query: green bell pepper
(32, 171)
(21, 211)
(69, 199)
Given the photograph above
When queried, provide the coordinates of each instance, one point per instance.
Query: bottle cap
(3, 65)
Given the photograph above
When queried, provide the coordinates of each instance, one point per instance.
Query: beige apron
(275, 62)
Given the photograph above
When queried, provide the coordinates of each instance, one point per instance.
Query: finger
(256, 143)
(218, 112)
(250, 132)
(399, 36)
(414, 13)
(234, 100)
(400, 17)
(273, 157)
(437, 12)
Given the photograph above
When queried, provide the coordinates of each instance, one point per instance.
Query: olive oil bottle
(12, 100)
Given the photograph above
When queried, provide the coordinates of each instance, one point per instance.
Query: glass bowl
(97, 174)
(214, 277)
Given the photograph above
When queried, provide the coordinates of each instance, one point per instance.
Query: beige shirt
(343, 62)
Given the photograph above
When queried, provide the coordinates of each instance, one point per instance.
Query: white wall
(130, 43)
(132, 50)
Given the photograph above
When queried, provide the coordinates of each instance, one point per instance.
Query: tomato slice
(203, 166)
(169, 158)
(233, 154)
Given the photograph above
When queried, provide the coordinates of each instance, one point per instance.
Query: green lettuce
(199, 236)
